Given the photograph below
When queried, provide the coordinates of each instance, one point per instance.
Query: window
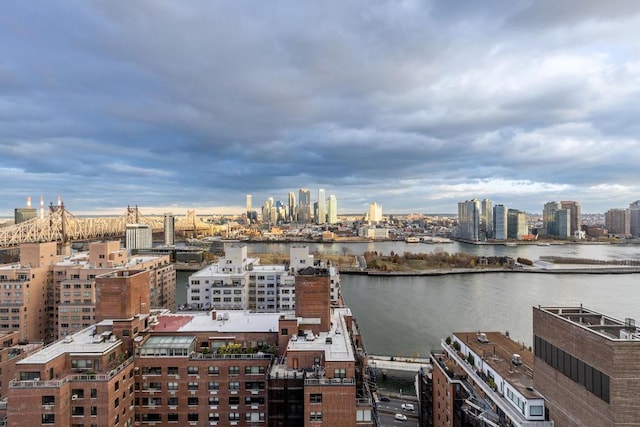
(234, 370)
(234, 416)
(172, 370)
(77, 410)
(537, 410)
(94, 393)
(234, 400)
(192, 385)
(192, 401)
(234, 385)
(192, 416)
(48, 419)
(192, 370)
(340, 373)
(214, 370)
(94, 411)
(48, 400)
(172, 385)
(315, 416)
(214, 385)
(213, 401)
(284, 331)
(315, 398)
(172, 417)
(214, 416)
(253, 370)
(172, 401)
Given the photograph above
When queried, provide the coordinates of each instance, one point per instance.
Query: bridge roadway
(393, 363)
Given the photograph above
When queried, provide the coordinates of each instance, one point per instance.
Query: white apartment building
(237, 282)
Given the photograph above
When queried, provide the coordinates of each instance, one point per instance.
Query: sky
(417, 105)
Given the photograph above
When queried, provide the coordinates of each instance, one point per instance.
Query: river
(408, 316)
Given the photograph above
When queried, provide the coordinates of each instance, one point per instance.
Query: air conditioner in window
(74, 396)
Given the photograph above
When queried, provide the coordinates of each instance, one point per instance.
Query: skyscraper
(469, 220)
(304, 205)
(375, 212)
(332, 210)
(618, 222)
(322, 208)
(292, 210)
(169, 229)
(500, 222)
(487, 218)
(249, 207)
(634, 218)
(516, 224)
(548, 218)
(576, 215)
(562, 223)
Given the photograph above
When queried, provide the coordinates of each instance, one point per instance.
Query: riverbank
(443, 272)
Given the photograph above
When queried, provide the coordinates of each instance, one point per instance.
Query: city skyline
(416, 105)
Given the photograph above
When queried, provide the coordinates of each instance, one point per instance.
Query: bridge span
(60, 225)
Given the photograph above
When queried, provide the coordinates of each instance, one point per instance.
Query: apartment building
(87, 378)
(237, 282)
(485, 379)
(142, 367)
(12, 350)
(586, 366)
(24, 291)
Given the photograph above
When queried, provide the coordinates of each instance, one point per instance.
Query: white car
(408, 407)
(400, 417)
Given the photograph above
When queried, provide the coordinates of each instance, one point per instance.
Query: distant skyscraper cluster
(301, 210)
(624, 222)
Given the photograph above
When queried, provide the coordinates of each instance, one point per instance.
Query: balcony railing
(329, 381)
(262, 356)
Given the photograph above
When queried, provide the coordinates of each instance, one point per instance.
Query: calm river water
(409, 316)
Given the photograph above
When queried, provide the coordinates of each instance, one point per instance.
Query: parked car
(408, 407)
(384, 399)
(400, 417)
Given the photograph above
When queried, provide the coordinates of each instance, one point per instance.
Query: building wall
(569, 402)
(122, 294)
(444, 393)
(313, 299)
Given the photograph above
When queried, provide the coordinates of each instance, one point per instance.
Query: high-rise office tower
(516, 224)
(322, 208)
(500, 222)
(249, 207)
(169, 229)
(375, 212)
(576, 215)
(25, 214)
(469, 220)
(138, 236)
(486, 218)
(304, 206)
(634, 218)
(292, 210)
(332, 210)
(618, 222)
(548, 218)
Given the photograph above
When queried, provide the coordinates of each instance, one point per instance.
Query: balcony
(329, 381)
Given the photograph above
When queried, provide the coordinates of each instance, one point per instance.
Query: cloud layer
(416, 105)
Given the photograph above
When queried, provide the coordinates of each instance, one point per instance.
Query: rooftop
(225, 321)
(498, 353)
(608, 327)
(81, 343)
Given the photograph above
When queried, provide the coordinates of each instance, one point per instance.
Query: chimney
(213, 314)
(28, 201)
(59, 201)
(42, 207)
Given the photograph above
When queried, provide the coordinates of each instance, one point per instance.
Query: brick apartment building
(142, 367)
(586, 366)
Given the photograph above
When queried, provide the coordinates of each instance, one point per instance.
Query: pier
(392, 363)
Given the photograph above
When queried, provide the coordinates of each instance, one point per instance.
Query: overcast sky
(418, 105)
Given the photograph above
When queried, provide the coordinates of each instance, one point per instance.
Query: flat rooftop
(225, 322)
(609, 327)
(216, 269)
(81, 343)
(498, 353)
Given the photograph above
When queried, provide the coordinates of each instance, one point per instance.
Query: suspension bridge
(60, 225)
